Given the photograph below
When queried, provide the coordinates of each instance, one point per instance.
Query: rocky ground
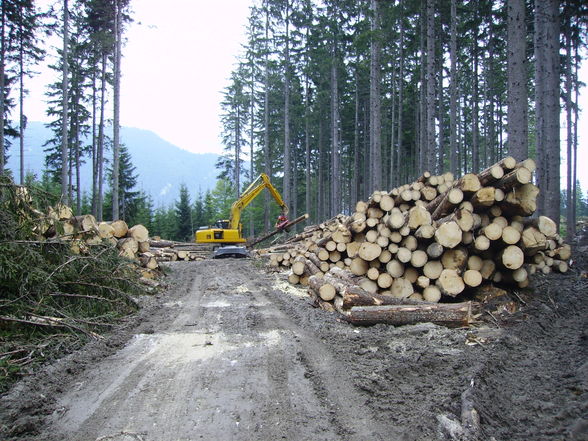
(230, 352)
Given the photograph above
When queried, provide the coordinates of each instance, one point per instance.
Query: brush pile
(424, 246)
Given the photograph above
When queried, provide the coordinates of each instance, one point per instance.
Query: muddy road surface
(230, 352)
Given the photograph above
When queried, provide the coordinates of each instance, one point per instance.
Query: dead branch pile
(436, 239)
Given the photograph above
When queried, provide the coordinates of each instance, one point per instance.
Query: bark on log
(452, 315)
(515, 178)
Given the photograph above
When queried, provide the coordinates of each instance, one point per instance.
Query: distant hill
(162, 167)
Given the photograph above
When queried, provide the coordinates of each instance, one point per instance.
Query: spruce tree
(184, 226)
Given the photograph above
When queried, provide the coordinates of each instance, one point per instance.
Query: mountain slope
(162, 167)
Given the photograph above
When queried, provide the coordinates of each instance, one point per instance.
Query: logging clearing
(240, 335)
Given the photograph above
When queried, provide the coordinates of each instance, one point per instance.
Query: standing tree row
(340, 98)
(84, 103)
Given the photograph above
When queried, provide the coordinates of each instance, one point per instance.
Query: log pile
(84, 231)
(132, 242)
(435, 240)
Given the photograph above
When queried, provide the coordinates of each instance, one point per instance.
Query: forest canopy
(332, 99)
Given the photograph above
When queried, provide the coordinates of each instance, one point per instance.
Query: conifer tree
(183, 212)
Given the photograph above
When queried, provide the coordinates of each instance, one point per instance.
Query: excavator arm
(250, 194)
(229, 232)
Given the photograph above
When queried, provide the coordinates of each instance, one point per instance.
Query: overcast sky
(176, 62)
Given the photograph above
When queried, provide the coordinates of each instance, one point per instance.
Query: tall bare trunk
(266, 146)
(287, 147)
(335, 205)
(116, 117)
(431, 147)
(22, 120)
(321, 211)
(440, 113)
(570, 219)
(453, 162)
(575, 145)
(396, 171)
(2, 83)
(238, 152)
(100, 152)
(64, 122)
(94, 145)
(475, 114)
(422, 144)
(252, 140)
(356, 159)
(547, 105)
(375, 101)
(517, 80)
(78, 172)
(392, 129)
(307, 175)
(335, 153)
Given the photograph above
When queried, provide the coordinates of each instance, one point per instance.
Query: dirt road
(231, 353)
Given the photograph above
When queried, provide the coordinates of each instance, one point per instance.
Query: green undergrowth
(51, 300)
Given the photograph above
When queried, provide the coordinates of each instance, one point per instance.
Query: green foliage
(133, 204)
(185, 229)
(50, 296)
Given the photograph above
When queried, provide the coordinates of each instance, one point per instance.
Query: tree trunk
(422, 164)
(100, 201)
(64, 117)
(94, 208)
(287, 147)
(547, 47)
(2, 84)
(307, 174)
(22, 120)
(393, 104)
(375, 102)
(453, 314)
(517, 80)
(475, 113)
(400, 104)
(252, 139)
(570, 219)
(356, 128)
(431, 150)
(335, 153)
(116, 116)
(266, 146)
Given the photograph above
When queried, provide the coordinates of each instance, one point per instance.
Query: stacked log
(436, 239)
(84, 231)
(170, 251)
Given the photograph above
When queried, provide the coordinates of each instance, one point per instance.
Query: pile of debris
(424, 246)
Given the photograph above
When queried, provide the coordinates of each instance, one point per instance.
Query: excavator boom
(230, 232)
(250, 194)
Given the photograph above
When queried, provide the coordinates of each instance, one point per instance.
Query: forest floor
(230, 352)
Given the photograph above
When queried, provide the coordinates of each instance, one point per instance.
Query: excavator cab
(224, 224)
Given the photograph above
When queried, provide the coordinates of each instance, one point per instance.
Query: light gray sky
(177, 60)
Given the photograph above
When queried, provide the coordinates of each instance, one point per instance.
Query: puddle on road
(219, 303)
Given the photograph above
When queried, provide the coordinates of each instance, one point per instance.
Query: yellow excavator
(228, 233)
